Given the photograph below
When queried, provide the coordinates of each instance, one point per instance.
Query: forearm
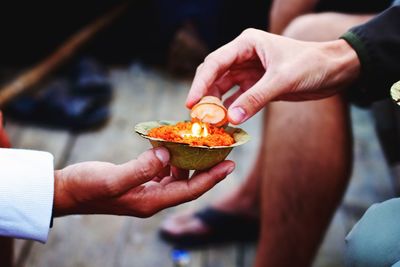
(284, 11)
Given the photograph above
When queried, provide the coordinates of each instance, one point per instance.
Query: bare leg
(307, 164)
(323, 26)
(244, 201)
(246, 198)
(6, 252)
(306, 172)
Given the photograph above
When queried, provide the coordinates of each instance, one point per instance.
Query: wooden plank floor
(143, 94)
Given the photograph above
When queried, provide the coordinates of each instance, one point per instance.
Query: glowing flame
(198, 130)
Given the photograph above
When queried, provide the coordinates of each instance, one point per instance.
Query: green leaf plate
(189, 157)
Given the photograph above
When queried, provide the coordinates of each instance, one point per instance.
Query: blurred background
(90, 71)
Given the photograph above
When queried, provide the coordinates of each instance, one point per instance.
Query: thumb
(142, 169)
(251, 101)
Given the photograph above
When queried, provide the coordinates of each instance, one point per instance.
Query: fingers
(246, 76)
(222, 85)
(147, 166)
(245, 79)
(176, 175)
(179, 174)
(228, 102)
(187, 190)
(166, 171)
(251, 101)
(215, 65)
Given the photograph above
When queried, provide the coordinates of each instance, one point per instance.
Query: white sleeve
(26, 193)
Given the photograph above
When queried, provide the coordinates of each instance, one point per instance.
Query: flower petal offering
(196, 144)
(194, 134)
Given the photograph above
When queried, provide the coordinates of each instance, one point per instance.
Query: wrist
(63, 201)
(344, 61)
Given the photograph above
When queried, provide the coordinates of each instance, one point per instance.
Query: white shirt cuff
(26, 193)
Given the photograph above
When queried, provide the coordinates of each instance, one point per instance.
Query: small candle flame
(198, 130)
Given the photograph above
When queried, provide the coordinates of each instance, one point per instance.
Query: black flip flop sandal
(56, 107)
(224, 228)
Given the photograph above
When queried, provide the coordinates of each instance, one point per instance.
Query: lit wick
(198, 130)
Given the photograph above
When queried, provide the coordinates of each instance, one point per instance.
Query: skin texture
(138, 188)
(269, 67)
(306, 167)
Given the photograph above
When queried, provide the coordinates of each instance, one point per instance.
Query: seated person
(299, 180)
(368, 54)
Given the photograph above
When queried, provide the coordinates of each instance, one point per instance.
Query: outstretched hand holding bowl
(140, 187)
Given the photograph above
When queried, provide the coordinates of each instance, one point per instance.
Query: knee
(311, 27)
(374, 240)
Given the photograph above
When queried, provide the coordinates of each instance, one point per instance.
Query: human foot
(209, 226)
(233, 218)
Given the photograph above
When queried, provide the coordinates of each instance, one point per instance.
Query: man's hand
(269, 67)
(139, 188)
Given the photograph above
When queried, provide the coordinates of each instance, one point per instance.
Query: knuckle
(145, 170)
(248, 32)
(211, 59)
(112, 189)
(148, 165)
(112, 186)
(199, 67)
(255, 99)
(194, 194)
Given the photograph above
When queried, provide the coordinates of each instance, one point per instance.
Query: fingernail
(237, 114)
(191, 101)
(162, 154)
(230, 169)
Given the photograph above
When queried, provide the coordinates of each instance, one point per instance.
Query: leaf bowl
(190, 157)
